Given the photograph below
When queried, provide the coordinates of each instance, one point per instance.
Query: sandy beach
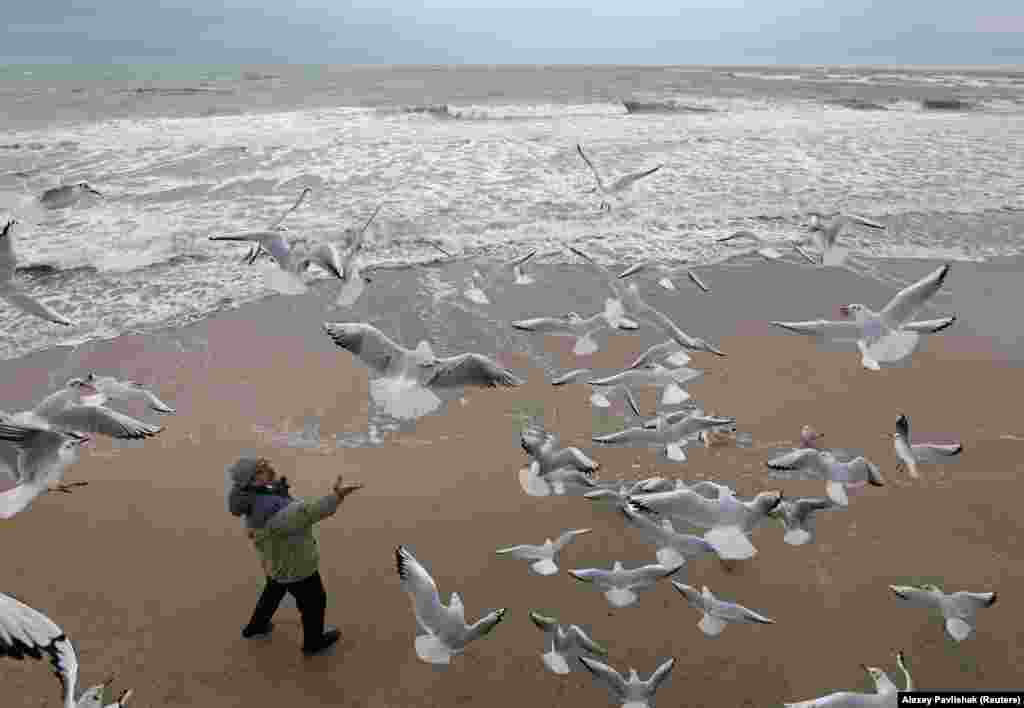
(153, 579)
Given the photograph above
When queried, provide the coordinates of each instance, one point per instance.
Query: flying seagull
(629, 692)
(257, 250)
(838, 475)
(797, 517)
(958, 608)
(563, 643)
(885, 336)
(66, 195)
(823, 234)
(542, 557)
(110, 387)
(620, 585)
(619, 186)
(910, 455)
(446, 631)
(667, 274)
(42, 457)
(10, 292)
(28, 633)
(764, 248)
(885, 691)
(717, 613)
(582, 329)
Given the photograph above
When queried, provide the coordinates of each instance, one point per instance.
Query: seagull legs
(66, 487)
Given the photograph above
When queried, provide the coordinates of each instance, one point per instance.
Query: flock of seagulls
(683, 522)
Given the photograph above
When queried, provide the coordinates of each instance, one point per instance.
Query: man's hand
(342, 490)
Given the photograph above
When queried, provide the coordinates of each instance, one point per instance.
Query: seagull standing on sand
(543, 556)
(11, 292)
(66, 195)
(885, 336)
(885, 696)
(717, 613)
(28, 633)
(447, 633)
(838, 475)
(632, 692)
(620, 585)
(958, 608)
(910, 455)
(619, 186)
(727, 519)
(666, 280)
(797, 518)
(42, 457)
(823, 234)
(564, 644)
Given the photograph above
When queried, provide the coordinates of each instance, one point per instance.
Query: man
(281, 528)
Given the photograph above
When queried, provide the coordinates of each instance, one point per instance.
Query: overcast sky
(489, 32)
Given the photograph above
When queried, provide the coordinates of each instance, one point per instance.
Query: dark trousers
(311, 599)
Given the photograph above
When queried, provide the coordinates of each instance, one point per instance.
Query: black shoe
(248, 632)
(329, 638)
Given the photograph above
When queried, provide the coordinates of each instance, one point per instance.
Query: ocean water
(482, 161)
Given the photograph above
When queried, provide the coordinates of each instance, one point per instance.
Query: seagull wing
(909, 301)
(805, 458)
(607, 675)
(803, 508)
(965, 604)
(930, 326)
(568, 536)
(523, 551)
(101, 420)
(598, 576)
(660, 675)
(863, 221)
(597, 175)
(933, 452)
(546, 325)
(582, 640)
(484, 625)
(738, 613)
(128, 390)
(471, 370)
(367, 343)
(833, 329)
(27, 303)
(693, 596)
(647, 575)
(416, 581)
(274, 242)
(37, 449)
(572, 457)
(26, 632)
(916, 596)
(302, 197)
(326, 256)
(8, 258)
(627, 181)
(609, 278)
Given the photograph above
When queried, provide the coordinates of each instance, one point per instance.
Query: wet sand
(153, 579)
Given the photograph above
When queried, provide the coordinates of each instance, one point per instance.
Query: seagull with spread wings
(618, 187)
(10, 292)
(564, 643)
(542, 557)
(823, 234)
(632, 692)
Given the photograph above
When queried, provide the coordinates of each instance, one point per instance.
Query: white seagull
(958, 608)
(797, 518)
(838, 475)
(256, 250)
(910, 455)
(447, 633)
(110, 387)
(600, 395)
(668, 353)
(632, 692)
(66, 195)
(885, 336)
(672, 548)
(671, 381)
(582, 329)
(42, 457)
(542, 557)
(885, 696)
(667, 274)
(672, 430)
(543, 448)
(563, 643)
(728, 519)
(764, 248)
(10, 292)
(480, 284)
(717, 613)
(823, 235)
(619, 186)
(27, 633)
(621, 585)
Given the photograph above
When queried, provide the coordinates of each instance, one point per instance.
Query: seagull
(764, 248)
(28, 633)
(673, 548)
(256, 250)
(109, 387)
(351, 268)
(824, 234)
(559, 482)
(620, 585)
(563, 643)
(619, 186)
(797, 518)
(888, 335)
(667, 353)
(583, 329)
(10, 292)
(631, 692)
(666, 274)
(447, 633)
(386, 357)
(479, 284)
(911, 455)
(543, 556)
(717, 613)
(601, 395)
(671, 430)
(885, 696)
(66, 195)
(838, 475)
(671, 381)
(958, 608)
(543, 448)
(66, 410)
(635, 308)
(727, 519)
(43, 455)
